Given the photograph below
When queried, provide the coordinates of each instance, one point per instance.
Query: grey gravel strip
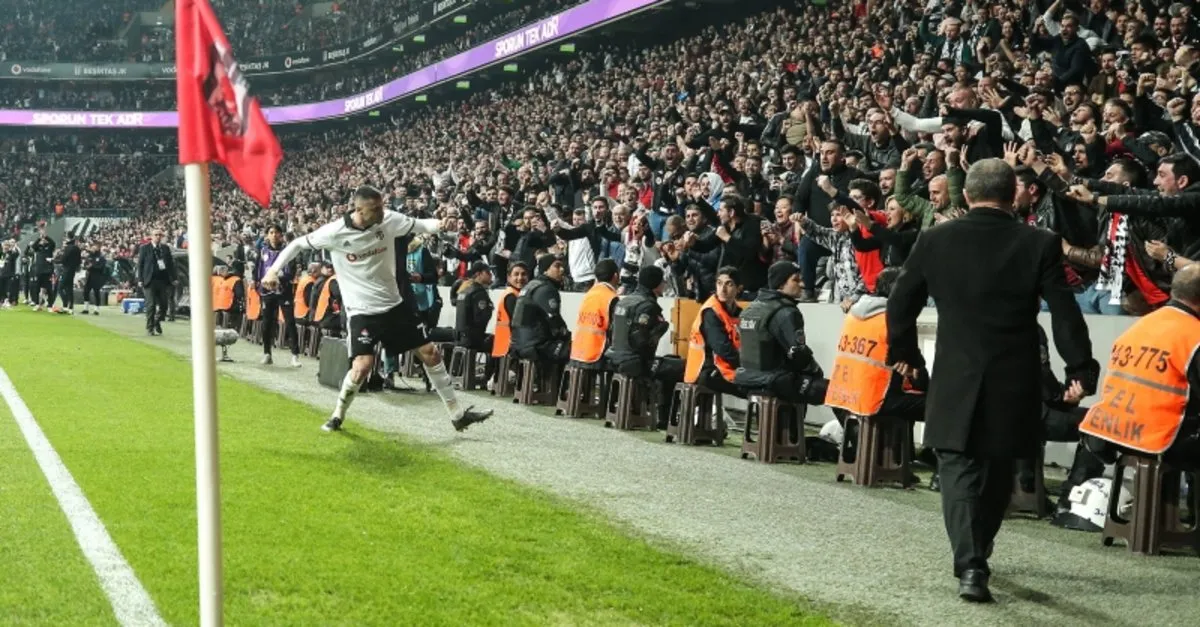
(871, 558)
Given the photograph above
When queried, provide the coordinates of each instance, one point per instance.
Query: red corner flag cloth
(218, 120)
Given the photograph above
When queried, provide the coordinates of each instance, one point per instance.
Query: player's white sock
(346, 396)
(440, 380)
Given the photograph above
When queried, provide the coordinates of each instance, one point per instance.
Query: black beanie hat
(780, 272)
(545, 262)
(650, 277)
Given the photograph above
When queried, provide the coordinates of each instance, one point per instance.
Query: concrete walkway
(868, 556)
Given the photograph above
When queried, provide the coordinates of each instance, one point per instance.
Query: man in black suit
(986, 272)
(156, 276)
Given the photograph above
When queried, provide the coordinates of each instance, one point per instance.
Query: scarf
(1112, 267)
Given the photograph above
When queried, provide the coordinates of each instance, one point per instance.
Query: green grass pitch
(361, 529)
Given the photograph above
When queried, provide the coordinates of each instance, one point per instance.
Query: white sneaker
(266, 360)
(296, 361)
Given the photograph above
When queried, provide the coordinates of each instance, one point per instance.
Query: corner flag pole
(204, 385)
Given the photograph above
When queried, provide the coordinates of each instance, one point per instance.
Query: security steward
(714, 342)
(302, 297)
(518, 278)
(862, 383)
(325, 309)
(1146, 403)
(638, 325)
(540, 333)
(593, 326)
(473, 310)
(231, 295)
(775, 357)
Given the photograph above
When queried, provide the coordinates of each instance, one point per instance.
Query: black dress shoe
(973, 586)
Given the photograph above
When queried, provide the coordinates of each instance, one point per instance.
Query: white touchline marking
(130, 601)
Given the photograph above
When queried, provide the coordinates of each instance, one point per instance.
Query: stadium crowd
(313, 86)
(793, 156)
(796, 133)
(93, 31)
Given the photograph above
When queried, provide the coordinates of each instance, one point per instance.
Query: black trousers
(4, 281)
(12, 291)
(272, 304)
(975, 495)
(157, 295)
(1062, 425)
(91, 291)
(43, 284)
(713, 380)
(66, 289)
(31, 295)
(555, 352)
(800, 388)
(173, 293)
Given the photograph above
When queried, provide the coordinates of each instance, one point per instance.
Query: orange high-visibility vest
(253, 305)
(697, 354)
(323, 305)
(300, 300)
(1145, 392)
(503, 336)
(591, 327)
(216, 283)
(224, 298)
(861, 376)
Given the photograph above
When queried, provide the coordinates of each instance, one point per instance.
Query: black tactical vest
(625, 316)
(528, 323)
(467, 310)
(760, 352)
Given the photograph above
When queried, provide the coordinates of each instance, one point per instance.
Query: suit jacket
(147, 263)
(986, 272)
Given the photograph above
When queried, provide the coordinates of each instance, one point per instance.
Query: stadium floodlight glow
(505, 47)
(374, 113)
(462, 85)
(510, 67)
(420, 39)
(399, 48)
(567, 48)
(460, 19)
(422, 98)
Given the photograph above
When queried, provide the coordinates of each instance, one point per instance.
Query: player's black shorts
(399, 330)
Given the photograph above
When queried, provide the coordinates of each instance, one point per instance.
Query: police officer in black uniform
(95, 276)
(539, 331)
(775, 357)
(637, 326)
(473, 310)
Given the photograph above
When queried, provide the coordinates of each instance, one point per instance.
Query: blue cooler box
(133, 305)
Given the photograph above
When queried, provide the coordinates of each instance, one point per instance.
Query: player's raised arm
(397, 224)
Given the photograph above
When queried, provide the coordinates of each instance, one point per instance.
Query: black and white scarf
(1112, 267)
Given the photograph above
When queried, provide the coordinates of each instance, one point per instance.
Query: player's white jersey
(365, 260)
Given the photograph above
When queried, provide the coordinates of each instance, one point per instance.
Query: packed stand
(272, 91)
(90, 31)
(666, 135)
